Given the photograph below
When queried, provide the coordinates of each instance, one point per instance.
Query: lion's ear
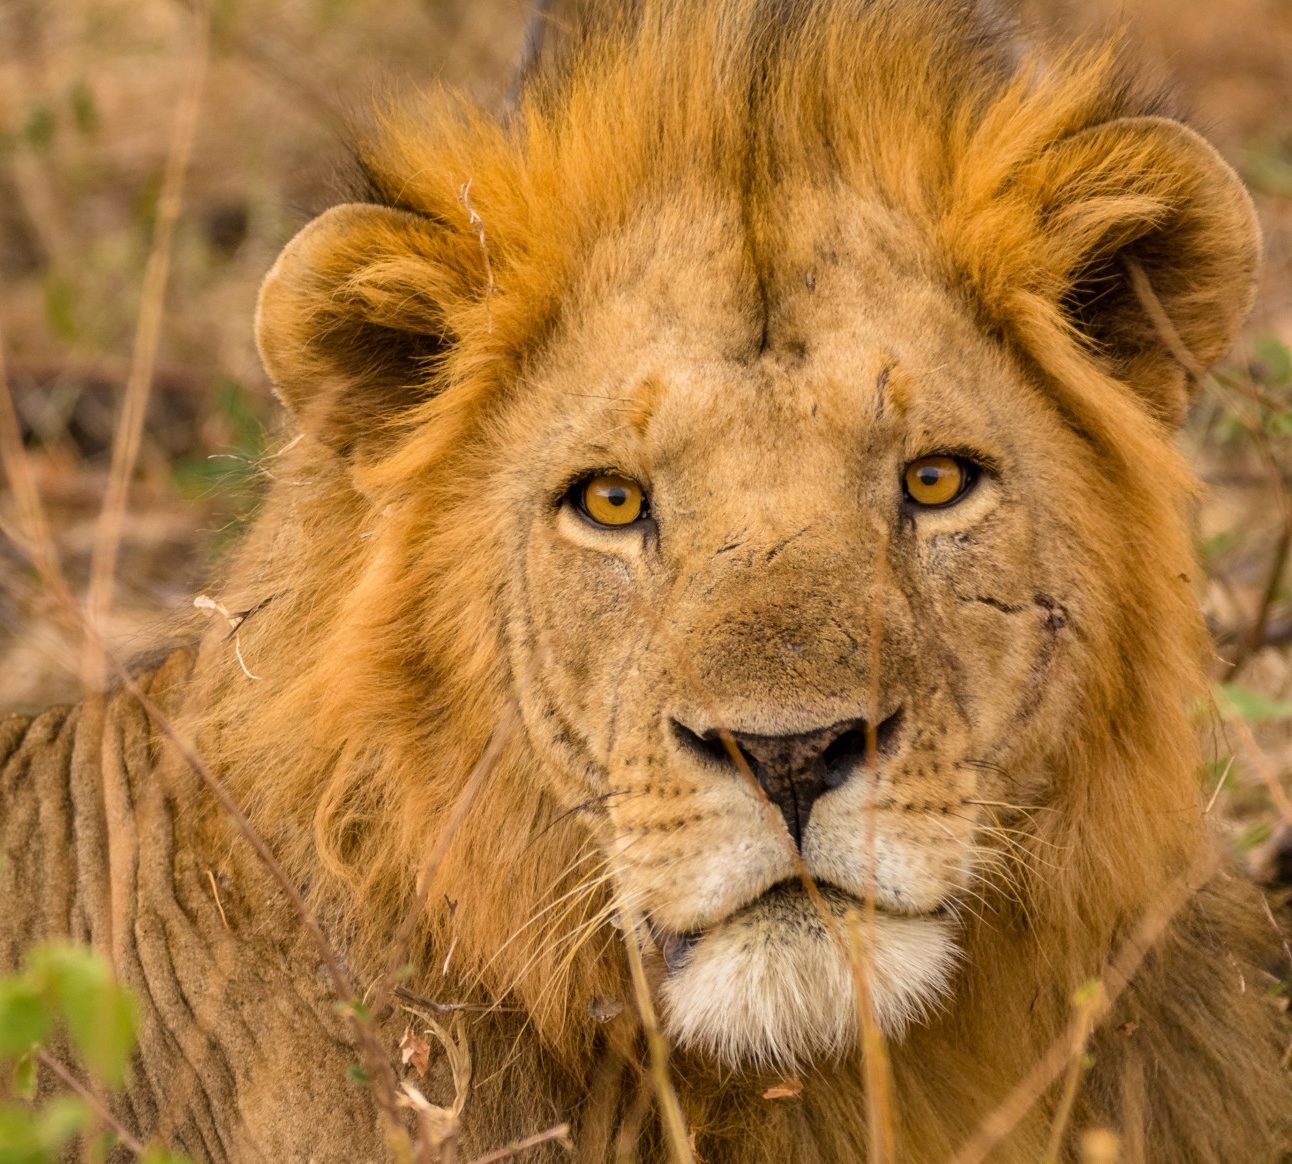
(1147, 243)
(351, 321)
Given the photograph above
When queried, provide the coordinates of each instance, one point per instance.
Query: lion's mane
(374, 573)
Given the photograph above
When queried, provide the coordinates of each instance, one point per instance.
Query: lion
(730, 588)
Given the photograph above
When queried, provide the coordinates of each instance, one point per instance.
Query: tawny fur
(760, 256)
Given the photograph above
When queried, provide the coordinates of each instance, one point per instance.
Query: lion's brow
(643, 401)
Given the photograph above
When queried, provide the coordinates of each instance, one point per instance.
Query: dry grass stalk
(128, 435)
(1264, 768)
(477, 224)
(1089, 1000)
(876, 1068)
(875, 1061)
(679, 1143)
(373, 1056)
(438, 1127)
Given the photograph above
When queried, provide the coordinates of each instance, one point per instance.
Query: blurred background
(89, 93)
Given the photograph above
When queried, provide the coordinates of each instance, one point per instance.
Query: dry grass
(131, 248)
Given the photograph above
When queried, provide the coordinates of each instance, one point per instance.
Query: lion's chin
(772, 988)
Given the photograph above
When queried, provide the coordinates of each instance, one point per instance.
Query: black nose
(794, 770)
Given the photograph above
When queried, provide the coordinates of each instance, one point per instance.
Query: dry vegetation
(90, 92)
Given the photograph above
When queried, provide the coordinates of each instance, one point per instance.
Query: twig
(215, 892)
(421, 1000)
(557, 1132)
(377, 1064)
(235, 621)
(111, 1121)
(477, 223)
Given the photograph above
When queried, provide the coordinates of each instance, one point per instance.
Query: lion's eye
(934, 481)
(610, 500)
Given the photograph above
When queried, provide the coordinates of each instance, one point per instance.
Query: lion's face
(883, 666)
(804, 477)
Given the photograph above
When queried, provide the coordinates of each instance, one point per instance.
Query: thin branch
(430, 1004)
(558, 1132)
(100, 1110)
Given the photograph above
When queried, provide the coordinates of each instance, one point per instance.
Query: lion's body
(759, 257)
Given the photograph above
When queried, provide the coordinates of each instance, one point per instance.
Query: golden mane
(374, 575)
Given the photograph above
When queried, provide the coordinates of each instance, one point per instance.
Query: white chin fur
(771, 987)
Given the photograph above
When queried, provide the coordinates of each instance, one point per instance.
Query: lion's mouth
(676, 947)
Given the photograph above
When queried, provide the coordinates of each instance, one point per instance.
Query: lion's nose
(794, 770)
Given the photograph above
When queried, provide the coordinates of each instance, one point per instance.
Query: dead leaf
(415, 1051)
(786, 1089)
(605, 1009)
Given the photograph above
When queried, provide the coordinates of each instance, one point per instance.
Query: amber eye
(608, 499)
(935, 481)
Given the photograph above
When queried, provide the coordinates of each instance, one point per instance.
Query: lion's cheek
(912, 857)
(687, 869)
(578, 634)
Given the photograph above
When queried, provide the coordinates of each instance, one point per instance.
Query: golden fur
(758, 256)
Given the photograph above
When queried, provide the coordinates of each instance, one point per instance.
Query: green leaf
(1279, 424)
(1275, 359)
(24, 1078)
(40, 1137)
(59, 1120)
(60, 307)
(18, 1143)
(1240, 702)
(24, 1017)
(84, 110)
(100, 1015)
(40, 126)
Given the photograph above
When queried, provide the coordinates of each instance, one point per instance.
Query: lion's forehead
(840, 363)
